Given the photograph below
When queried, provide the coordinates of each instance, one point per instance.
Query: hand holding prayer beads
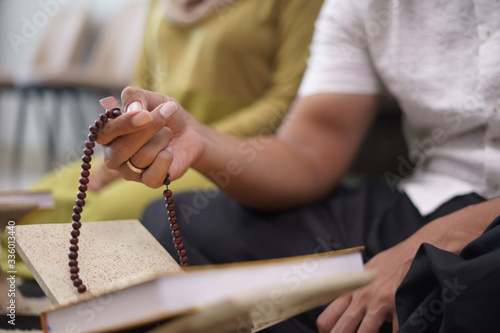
(113, 110)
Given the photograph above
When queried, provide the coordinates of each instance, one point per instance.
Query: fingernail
(134, 106)
(167, 109)
(142, 118)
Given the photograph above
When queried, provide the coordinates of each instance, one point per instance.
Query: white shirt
(441, 61)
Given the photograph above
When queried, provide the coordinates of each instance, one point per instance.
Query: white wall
(15, 13)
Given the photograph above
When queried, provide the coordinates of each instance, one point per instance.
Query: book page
(43, 200)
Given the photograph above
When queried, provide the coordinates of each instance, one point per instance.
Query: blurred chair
(61, 46)
(5, 79)
(5, 84)
(108, 70)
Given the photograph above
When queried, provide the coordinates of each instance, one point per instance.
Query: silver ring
(134, 168)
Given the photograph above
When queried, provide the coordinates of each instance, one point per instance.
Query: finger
(127, 123)
(138, 99)
(395, 323)
(372, 322)
(123, 147)
(155, 174)
(147, 153)
(350, 320)
(327, 320)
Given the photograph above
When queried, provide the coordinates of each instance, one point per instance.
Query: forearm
(262, 172)
(299, 165)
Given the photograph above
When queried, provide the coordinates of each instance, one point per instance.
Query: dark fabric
(216, 229)
(444, 292)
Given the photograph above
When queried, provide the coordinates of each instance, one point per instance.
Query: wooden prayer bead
(74, 276)
(179, 247)
(85, 173)
(182, 253)
(82, 289)
(73, 263)
(77, 209)
(176, 233)
(88, 151)
(81, 195)
(85, 166)
(171, 214)
(93, 129)
(109, 113)
(74, 270)
(76, 225)
(170, 207)
(75, 232)
(103, 117)
(167, 193)
(73, 247)
(92, 137)
(84, 180)
(89, 144)
(86, 158)
(73, 240)
(99, 123)
(73, 255)
(80, 202)
(77, 282)
(82, 188)
(174, 226)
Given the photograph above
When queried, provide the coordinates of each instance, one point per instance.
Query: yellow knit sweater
(238, 70)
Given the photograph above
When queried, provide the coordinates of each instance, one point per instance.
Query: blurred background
(57, 59)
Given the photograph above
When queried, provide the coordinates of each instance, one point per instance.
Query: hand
(366, 309)
(155, 134)
(101, 177)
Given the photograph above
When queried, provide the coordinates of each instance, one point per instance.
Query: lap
(217, 229)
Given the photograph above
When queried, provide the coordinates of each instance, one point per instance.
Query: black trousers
(217, 229)
(445, 292)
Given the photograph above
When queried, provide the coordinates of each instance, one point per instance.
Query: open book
(133, 282)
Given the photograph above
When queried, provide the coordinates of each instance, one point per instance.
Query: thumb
(171, 116)
(134, 98)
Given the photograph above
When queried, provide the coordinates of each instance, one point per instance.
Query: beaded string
(80, 202)
(172, 219)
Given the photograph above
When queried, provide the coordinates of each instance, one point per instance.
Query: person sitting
(283, 193)
(235, 64)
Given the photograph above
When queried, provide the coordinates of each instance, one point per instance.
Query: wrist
(454, 231)
(208, 155)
